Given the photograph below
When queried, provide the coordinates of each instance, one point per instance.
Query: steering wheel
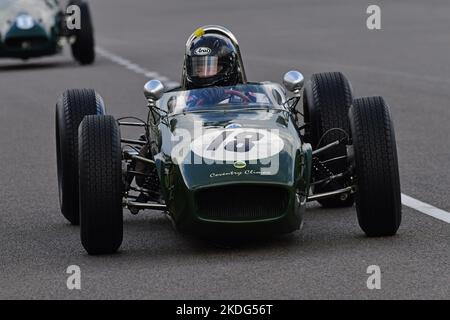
(231, 93)
(238, 94)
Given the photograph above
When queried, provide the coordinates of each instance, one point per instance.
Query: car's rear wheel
(378, 201)
(71, 108)
(83, 49)
(101, 186)
(327, 99)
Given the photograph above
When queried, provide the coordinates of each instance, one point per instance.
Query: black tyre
(378, 201)
(100, 182)
(83, 49)
(327, 99)
(71, 108)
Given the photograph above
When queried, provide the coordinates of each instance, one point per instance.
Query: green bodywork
(184, 182)
(41, 38)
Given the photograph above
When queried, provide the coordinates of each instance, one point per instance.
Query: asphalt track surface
(408, 62)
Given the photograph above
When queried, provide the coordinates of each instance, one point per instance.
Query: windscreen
(221, 98)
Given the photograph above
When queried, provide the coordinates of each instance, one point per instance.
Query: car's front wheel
(378, 202)
(72, 106)
(101, 186)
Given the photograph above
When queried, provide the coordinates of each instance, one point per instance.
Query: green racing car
(37, 28)
(241, 165)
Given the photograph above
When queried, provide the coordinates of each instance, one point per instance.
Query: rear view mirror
(293, 81)
(153, 90)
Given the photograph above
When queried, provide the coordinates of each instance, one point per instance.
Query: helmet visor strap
(204, 67)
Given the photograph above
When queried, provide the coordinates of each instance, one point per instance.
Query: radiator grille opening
(25, 43)
(242, 202)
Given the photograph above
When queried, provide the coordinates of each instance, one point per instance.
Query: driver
(212, 63)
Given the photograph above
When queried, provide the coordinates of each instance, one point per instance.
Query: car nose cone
(24, 22)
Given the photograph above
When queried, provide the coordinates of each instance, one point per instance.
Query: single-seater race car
(246, 165)
(37, 28)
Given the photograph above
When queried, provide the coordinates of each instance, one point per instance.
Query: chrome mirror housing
(293, 81)
(153, 90)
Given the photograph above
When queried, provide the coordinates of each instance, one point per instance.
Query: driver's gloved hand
(212, 95)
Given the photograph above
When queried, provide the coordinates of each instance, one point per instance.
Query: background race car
(36, 28)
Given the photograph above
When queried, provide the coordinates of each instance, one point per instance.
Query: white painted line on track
(406, 200)
(425, 208)
(135, 67)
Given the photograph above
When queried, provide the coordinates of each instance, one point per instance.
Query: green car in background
(37, 28)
